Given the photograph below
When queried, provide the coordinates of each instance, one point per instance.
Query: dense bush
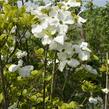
(45, 59)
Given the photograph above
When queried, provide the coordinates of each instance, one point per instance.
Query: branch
(4, 87)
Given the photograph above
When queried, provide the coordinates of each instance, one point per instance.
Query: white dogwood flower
(93, 100)
(71, 63)
(82, 50)
(26, 70)
(65, 57)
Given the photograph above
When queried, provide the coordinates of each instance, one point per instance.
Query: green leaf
(1, 97)
(36, 73)
(95, 57)
(88, 86)
(33, 98)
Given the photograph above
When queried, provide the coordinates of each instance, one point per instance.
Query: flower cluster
(52, 30)
(54, 22)
(68, 52)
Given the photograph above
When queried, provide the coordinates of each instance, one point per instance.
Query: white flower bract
(13, 68)
(93, 100)
(26, 70)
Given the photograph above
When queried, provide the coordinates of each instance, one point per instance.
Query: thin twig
(44, 75)
(3, 82)
(53, 75)
(106, 95)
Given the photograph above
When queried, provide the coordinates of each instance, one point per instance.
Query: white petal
(59, 39)
(73, 63)
(84, 46)
(73, 3)
(62, 29)
(54, 22)
(67, 19)
(62, 65)
(62, 56)
(60, 15)
(81, 21)
(44, 25)
(46, 40)
(84, 55)
(26, 71)
(76, 48)
(68, 49)
(53, 12)
(51, 30)
(37, 29)
(13, 68)
(90, 69)
(93, 100)
(55, 46)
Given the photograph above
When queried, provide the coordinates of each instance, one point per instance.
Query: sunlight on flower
(13, 68)
(105, 90)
